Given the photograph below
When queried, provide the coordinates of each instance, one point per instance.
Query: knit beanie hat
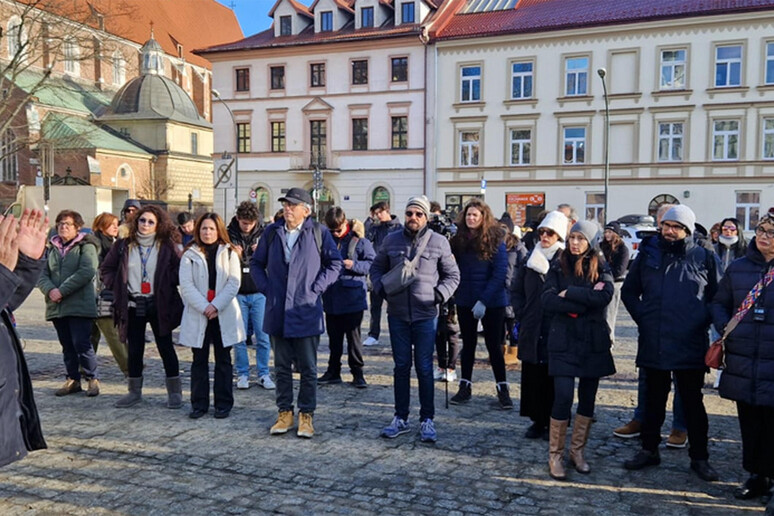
(614, 226)
(507, 221)
(556, 221)
(683, 215)
(589, 229)
(421, 202)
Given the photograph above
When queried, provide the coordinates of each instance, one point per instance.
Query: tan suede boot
(557, 434)
(511, 355)
(580, 434)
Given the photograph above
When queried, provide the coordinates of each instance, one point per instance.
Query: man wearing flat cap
(412, 310)
(295, 262)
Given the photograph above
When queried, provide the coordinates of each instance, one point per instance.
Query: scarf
(64, 247)
(145, 240)
(728, 241)
(539, 260)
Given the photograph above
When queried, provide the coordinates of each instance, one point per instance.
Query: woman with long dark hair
(731, 243)
(483, 262)
(617, 255)
(577, 291)
(210, 275)
(142, 272)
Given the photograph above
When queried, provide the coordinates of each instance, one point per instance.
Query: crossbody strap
(748, 302)
(421, 247)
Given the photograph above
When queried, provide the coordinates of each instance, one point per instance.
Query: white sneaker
(265, 382)
(439, 374)
(243, 382)
(370, 341)
(451, 376)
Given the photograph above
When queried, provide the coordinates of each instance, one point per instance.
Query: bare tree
(156, 186)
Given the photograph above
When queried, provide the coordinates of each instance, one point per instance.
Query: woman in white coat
(210, 274)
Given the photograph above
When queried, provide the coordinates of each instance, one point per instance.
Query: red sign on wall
(519, 204)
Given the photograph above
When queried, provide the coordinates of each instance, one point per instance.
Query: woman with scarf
(105, 228)
(731, 243)
(142, 272)
(210, 275)
(537, 388)
(71, 304)
(577, 290)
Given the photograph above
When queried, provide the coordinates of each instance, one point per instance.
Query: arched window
(9, 161)
(262, 201)
(658, 201)
(379, 194)
(71, 53)
(15, 37)
(119, 68)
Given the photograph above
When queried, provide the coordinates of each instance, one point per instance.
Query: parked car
(633, 235)
(634, 220)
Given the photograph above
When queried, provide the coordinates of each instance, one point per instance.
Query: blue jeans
(253, 307)
(678, 415)
(75, 337)
(419, 335)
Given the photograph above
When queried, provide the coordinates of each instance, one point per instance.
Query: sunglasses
(729, 228)
(415, 214)
(149, 222)
(546, 231)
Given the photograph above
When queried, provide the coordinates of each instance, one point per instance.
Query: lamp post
(216, 94)
(602, 73)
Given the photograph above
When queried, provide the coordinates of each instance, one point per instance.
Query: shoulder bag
(404, 274)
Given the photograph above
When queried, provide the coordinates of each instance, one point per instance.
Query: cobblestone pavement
(152, 460)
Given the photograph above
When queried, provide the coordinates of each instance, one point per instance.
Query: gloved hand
(438, 296)
(479, 310)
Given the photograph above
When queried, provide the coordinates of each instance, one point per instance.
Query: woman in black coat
(617, 256)
(731, 243)
(748, 378)
(577, 292)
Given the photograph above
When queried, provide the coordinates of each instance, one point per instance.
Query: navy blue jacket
(378, 231)
(348, 294)
(667, 293)
(579, 340)
(293, 290)
(482, 280)
(749, 373)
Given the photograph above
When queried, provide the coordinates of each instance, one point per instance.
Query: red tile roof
(546, 15)
(300, 8)
(346, 5)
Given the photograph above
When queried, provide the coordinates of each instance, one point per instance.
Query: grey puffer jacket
(437, 272)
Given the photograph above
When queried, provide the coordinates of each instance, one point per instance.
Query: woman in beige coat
(210, 274)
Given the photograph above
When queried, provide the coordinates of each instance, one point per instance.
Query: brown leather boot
(557, 434)
(511, 355)
(580, 434)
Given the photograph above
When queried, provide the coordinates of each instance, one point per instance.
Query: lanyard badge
(145, 286)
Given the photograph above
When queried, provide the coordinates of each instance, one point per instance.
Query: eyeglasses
(672, 226)
(286, 205)
(149, 222)
(65, 225)
(759, 232)
(415, 214)
(546, 231)
(729, 228)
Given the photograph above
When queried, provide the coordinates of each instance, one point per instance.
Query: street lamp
(216, 94)
(602, 72)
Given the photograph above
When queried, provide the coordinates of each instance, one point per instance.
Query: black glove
(438, 296)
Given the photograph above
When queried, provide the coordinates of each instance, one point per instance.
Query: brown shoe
(580, 434)
(305, 427)
(283, 424)
(511, 355)
(557, 434)
(629, 431)
(677, 439)
(70, 387)
(93, 389)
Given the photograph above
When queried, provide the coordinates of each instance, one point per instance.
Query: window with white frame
(14, 36)
(728, 66)
(9, 162)
(469, 148)
(725, 140)
(574, 145)
(470, 84)
(119, 68)
(769, 64)
(521, 80)
(71, 53)
(521, 146)
(595, 207)
(768, 138)
(748, 209)
(576, 72)
(673, 69)
(670, 141)
(326, 21)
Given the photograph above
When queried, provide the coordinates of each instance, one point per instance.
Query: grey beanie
(683, 215)
(589, 229)
(421, 202)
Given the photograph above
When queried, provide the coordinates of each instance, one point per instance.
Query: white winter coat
(194, 284)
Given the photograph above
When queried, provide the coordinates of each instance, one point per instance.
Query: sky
(253, 15)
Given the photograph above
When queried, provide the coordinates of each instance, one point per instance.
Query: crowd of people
(551, 298)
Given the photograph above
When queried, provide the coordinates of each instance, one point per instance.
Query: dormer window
(367, 17)
(286, 25)
(407, 12)
(326, 21)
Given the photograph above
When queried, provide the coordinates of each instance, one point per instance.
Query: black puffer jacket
(378, 231)
(246, 242)
(749, 372)
(618, 260)
(579, 341)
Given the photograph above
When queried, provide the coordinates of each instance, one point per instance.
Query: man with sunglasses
(412, 311)
(667, 293)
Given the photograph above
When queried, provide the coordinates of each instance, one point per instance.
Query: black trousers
(135, 338)
(537, 393)
(447, 342)
(494, 329)
(757, 425)
(564, 388)
(200, 372)
(340, 326)
(689, 383)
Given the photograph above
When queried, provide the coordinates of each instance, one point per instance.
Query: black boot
(463, 394)
(358, 380)
(503, 396)
(753, 487)
(704, 470)
(643, 459)
(329, 378)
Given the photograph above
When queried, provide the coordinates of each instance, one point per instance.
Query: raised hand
(33, 230)
(9, 247)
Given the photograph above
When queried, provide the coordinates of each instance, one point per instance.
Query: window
(470, 85)
(360, 72)
(576, 71)
(469, 146)
(243, 137)
(286, 25)
(119, 68)
(326, 21)
(278, 136)
(521, 80)
(728, 66)
(521, 145)
(317, 75)
(670, 141)
(673, 69)
(407, 12)
(71, 52)
(725, 140)
(243, 79)
(399, 69)
(194, 143)
(748, 208)
(9, 162)
(277, 77)
(14, 36)
(768, 138)
(367, 17)
(574, 145)
(359, 134)
(318, 132)
(595, 207)
(380, 194)
(769, 63)
(400, 132)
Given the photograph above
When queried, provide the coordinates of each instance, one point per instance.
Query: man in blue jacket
(667, 293)
(295, 262)
(412, 311)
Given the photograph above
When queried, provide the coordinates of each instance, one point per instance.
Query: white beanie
(557, 222)
(683, 215)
